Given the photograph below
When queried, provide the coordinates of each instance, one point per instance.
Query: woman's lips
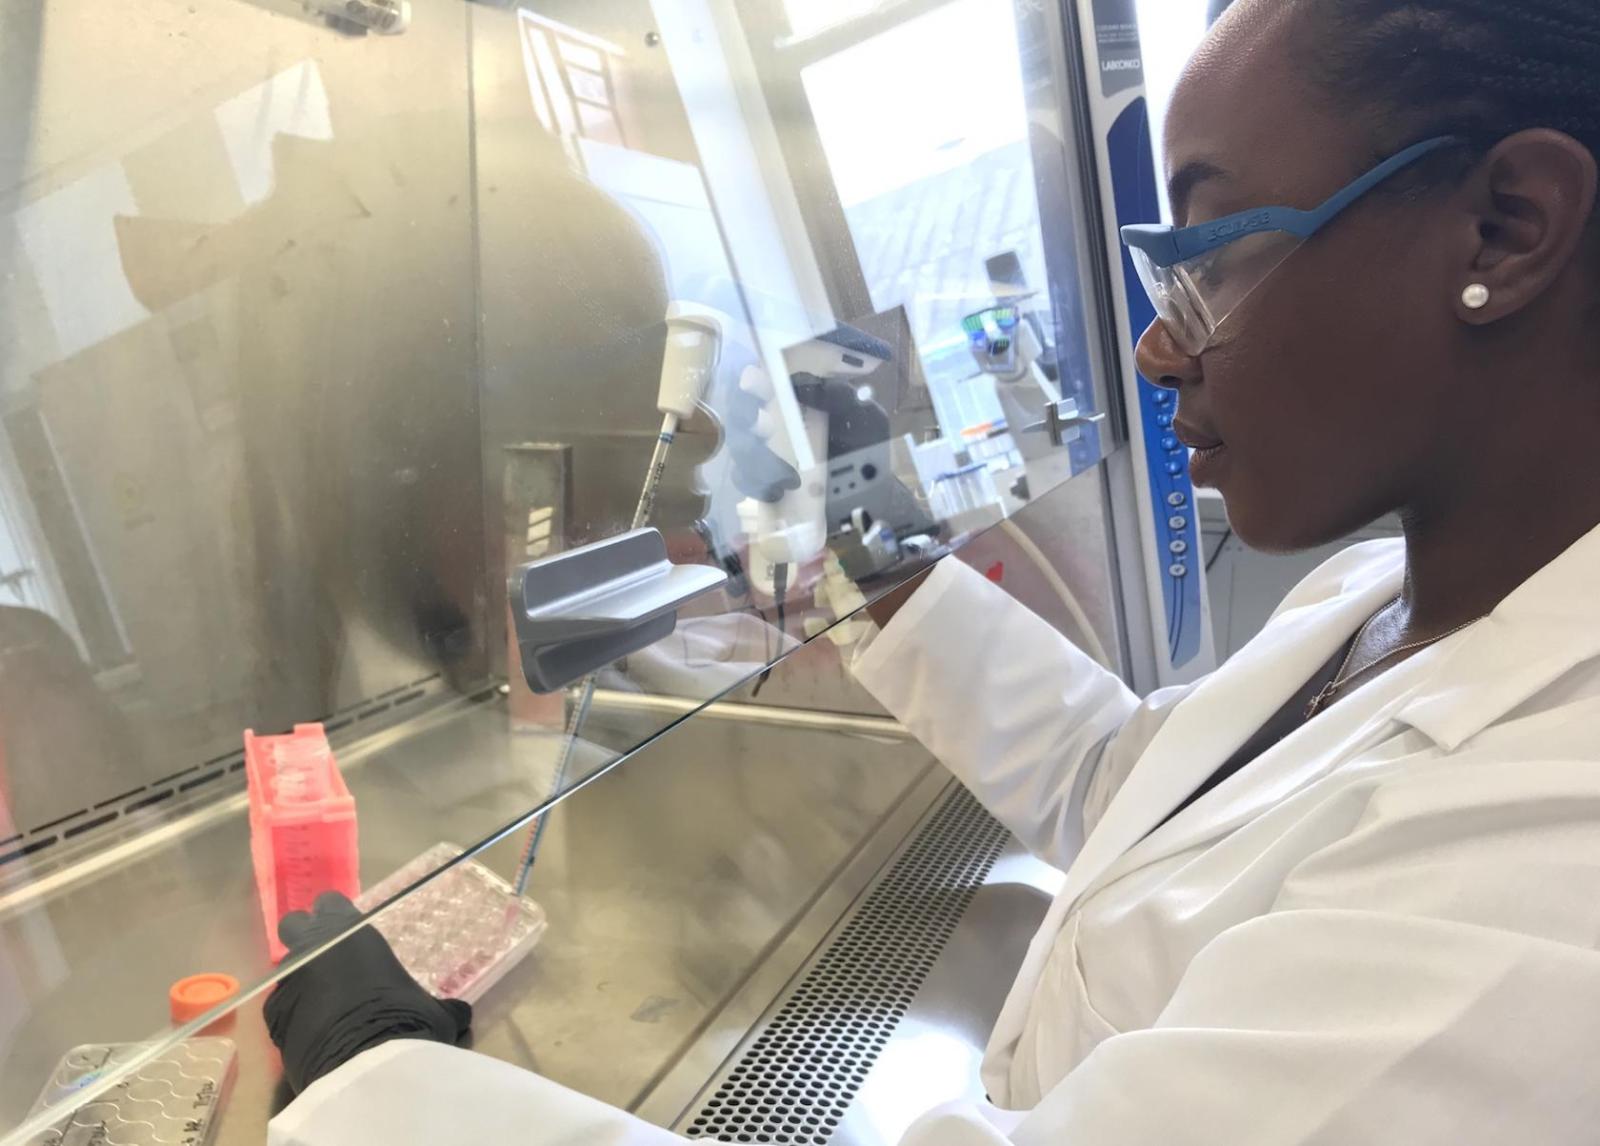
(1210, 453)
(1195, 438)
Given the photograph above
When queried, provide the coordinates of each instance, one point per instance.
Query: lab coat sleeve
(414, 1093)
(1039, 732)
(1429, 977)
(409, 1092)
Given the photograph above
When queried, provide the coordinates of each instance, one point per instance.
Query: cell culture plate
(173, 1100)
(462, 931)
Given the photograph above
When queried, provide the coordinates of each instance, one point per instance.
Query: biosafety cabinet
(444, 451)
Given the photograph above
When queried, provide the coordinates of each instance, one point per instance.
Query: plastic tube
(1091, 640)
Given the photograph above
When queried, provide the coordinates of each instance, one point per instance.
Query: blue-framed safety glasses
(1197, 276)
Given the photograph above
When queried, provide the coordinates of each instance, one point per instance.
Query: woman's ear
(1529, 206)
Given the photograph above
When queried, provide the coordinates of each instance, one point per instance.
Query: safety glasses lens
(1195, 297)
(1169, 294)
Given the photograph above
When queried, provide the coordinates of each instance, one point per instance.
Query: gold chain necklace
(1342, 678)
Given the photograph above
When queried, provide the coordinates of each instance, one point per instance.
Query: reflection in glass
(310, 338)
(925, 131)
(929, 143)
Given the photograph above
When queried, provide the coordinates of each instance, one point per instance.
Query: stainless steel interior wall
(237, 375)
(278, 304)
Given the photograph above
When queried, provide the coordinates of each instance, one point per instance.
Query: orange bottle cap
(192, 997)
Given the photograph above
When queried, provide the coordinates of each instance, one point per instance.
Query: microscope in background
(811, 456)
(1008, 341)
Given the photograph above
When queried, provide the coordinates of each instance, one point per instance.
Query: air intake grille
(135, 811)
(790, 1086)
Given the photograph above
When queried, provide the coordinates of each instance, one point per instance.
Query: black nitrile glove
(350, 998)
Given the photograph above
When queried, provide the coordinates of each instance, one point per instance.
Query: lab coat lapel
(1223, 711)
(1205, 729)
(1547, 627)
(1345, 730)
(1542, 630)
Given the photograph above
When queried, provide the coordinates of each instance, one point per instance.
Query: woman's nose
(1160, 360)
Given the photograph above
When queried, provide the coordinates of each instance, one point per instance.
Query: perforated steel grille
(791, 1085)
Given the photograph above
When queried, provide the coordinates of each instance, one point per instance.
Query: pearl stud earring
(1475, 297)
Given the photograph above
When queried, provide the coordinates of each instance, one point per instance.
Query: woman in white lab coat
(1347, 889)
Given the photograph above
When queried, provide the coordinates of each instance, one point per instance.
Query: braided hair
(1477, 69)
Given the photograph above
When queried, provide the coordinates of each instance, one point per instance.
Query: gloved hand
(350, 998)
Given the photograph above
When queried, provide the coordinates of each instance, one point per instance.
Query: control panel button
(1177, 521)
(1175, 467)
(1171, 443)
(1178, 546)
(1163, 397)
(1163, 420)
(1177, 499)
(1177, 570)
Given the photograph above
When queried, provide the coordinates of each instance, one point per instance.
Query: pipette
(694, 347)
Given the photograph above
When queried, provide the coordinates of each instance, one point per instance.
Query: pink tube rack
(302, 825)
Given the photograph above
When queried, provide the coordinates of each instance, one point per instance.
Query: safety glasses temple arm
(1165, 246)
(1321, 216)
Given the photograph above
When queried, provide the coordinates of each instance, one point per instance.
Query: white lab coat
(1384, 929)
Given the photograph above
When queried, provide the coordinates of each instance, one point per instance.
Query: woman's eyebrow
(1186, 179)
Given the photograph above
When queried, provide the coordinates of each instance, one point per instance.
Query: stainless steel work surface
(889, 1016)
(665, 884)
(937, 1048)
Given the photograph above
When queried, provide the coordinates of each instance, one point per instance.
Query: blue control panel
(1175, 519)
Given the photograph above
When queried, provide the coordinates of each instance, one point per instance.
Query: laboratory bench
(685, 892)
